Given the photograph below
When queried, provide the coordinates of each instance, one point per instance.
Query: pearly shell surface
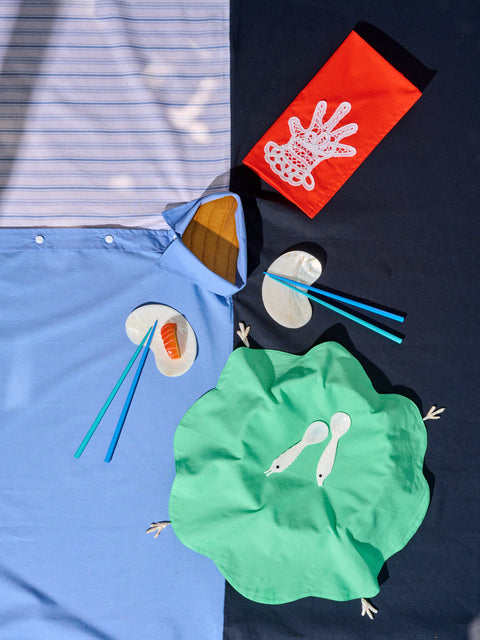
(285, 306)
(142, 318)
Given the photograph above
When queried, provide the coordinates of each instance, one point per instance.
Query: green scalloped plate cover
(281, 537)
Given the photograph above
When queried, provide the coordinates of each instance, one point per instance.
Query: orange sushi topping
(170, 341)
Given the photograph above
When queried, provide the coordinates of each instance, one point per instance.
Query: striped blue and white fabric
(111, 110)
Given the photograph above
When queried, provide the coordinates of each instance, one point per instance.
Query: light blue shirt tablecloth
(75, 562)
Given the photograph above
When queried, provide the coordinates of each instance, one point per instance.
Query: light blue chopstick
(108, 401)
(340, 298)
(347, 314)
(128, 401)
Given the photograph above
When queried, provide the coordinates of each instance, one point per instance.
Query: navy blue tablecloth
(404, 231)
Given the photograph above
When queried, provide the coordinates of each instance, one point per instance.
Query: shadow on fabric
(42, 32)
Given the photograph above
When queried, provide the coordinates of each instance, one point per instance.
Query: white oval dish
(142, 318)
(285, 306)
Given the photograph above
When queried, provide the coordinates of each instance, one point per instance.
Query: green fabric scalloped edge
(279, 538)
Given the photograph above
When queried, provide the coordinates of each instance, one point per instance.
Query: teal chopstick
(108, 401)
(128, 401)
(347, 314)
(340, 298)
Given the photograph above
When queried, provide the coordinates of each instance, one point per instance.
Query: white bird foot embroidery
(434, 413)
(368, 608)
(243, 333)
(158, 527)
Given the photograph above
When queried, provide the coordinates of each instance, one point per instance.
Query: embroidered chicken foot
(243, 333)
(158, 527)
(368, 608)
(434, 413)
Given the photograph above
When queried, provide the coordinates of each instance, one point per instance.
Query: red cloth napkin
(359, 94)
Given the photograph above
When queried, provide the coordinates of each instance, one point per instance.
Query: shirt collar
(179, 260)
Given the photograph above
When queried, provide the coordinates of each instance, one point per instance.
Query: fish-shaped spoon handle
(339, 425)
(316, 432)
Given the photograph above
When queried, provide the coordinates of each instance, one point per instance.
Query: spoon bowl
(315, 433)
(340, 424)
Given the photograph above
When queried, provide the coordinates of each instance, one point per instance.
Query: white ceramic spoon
(339, 425)
(314, 433)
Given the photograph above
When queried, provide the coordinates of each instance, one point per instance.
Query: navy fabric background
(403, 231)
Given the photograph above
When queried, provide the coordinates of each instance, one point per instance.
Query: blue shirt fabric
(75, 562)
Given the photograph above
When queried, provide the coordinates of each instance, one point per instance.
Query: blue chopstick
(108, 401)
(347, 314)
(340, 298)
(128, 401)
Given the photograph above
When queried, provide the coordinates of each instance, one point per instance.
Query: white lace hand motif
(295, 160)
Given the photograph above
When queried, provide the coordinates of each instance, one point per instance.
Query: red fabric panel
(308, 157)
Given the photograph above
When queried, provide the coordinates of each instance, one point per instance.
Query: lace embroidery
(295, 160)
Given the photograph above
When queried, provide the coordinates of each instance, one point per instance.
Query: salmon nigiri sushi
(170, 340)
